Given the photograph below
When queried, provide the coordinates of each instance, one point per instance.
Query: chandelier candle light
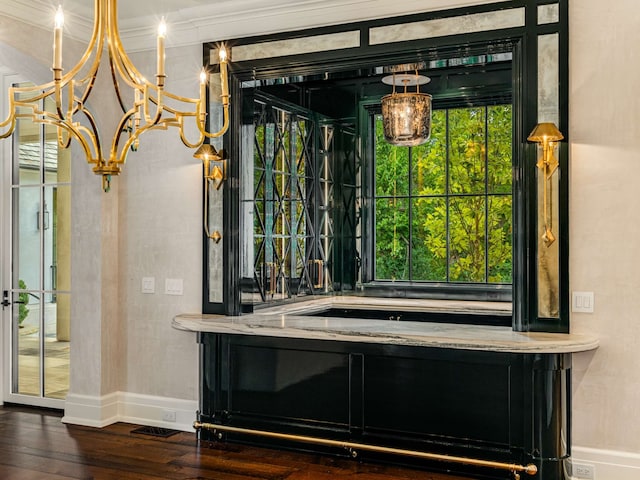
(152, 106)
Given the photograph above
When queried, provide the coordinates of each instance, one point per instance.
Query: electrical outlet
(583, 471)
(169, 415)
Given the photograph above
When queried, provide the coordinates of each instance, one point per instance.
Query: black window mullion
(410, 215)
(486, 194)
(446, 194)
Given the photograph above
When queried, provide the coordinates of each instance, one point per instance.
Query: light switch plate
(148, 285)
(173, 286)
(582, 302)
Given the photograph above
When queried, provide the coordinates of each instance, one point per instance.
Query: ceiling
(138, 19)
(200, 21)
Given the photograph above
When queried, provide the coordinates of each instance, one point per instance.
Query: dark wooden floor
(36, 445)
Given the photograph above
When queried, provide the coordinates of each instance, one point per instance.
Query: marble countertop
(288, 321)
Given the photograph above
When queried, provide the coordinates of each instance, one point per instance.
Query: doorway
(36, 295)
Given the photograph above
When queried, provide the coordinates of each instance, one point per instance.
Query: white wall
(605, 224)
(161, 222)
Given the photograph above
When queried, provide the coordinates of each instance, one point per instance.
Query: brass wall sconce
(406, 116)
(547, 135)
(214, 173)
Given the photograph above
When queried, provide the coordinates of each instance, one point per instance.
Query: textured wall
(161, 223)
(605, 219)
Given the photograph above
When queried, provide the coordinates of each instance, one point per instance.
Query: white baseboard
(91, 411)
(608, 464)
(148, 410)
(130, 408)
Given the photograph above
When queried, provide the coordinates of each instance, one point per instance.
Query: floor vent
(155, 431)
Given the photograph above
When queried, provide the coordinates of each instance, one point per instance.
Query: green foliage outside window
(23, 298)
(443, 209)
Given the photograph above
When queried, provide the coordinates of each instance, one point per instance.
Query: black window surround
(521, 40)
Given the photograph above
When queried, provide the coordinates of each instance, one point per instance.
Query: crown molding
(213, 21)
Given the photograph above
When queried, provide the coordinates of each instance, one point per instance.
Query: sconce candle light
(151, 107)
(546, 135)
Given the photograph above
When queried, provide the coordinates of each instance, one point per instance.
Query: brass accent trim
(515, 469)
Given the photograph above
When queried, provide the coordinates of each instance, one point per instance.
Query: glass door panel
(56, 349)
(40, 296)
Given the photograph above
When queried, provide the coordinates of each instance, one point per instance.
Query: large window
(443, 210)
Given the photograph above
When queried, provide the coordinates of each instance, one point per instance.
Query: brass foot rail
(352, 447)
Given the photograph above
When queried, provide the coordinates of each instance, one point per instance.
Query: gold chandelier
(151, 106)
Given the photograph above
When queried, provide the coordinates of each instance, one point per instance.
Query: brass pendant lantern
(406, 116)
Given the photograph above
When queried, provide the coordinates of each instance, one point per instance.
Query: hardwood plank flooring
(36, 445)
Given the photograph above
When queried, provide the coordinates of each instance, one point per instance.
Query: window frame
(371, 285)
(523, 42)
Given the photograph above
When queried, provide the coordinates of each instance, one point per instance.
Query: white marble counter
(287, 322)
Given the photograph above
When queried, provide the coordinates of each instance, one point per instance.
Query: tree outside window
(443, 210)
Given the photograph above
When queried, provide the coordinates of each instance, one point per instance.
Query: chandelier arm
(183, 137)
(96, 44)
(126, 69)
(123, 66)
(157, 101)
(93, 133)
(173, 96)
(223, 129)
(11, 116)
(171, 110)
(11, 121)
(120, 159)
(62, 143)
(121, 129)
(40, 92)
(91, 81)
(116, 84)
(75, 131)
(71, 99)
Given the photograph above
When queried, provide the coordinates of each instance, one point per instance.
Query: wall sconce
(547, 134)
(215, 173)
(406, 116)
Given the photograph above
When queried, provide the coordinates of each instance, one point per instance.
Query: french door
(36, 296)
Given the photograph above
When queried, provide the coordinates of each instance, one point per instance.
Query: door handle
(5, 299)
